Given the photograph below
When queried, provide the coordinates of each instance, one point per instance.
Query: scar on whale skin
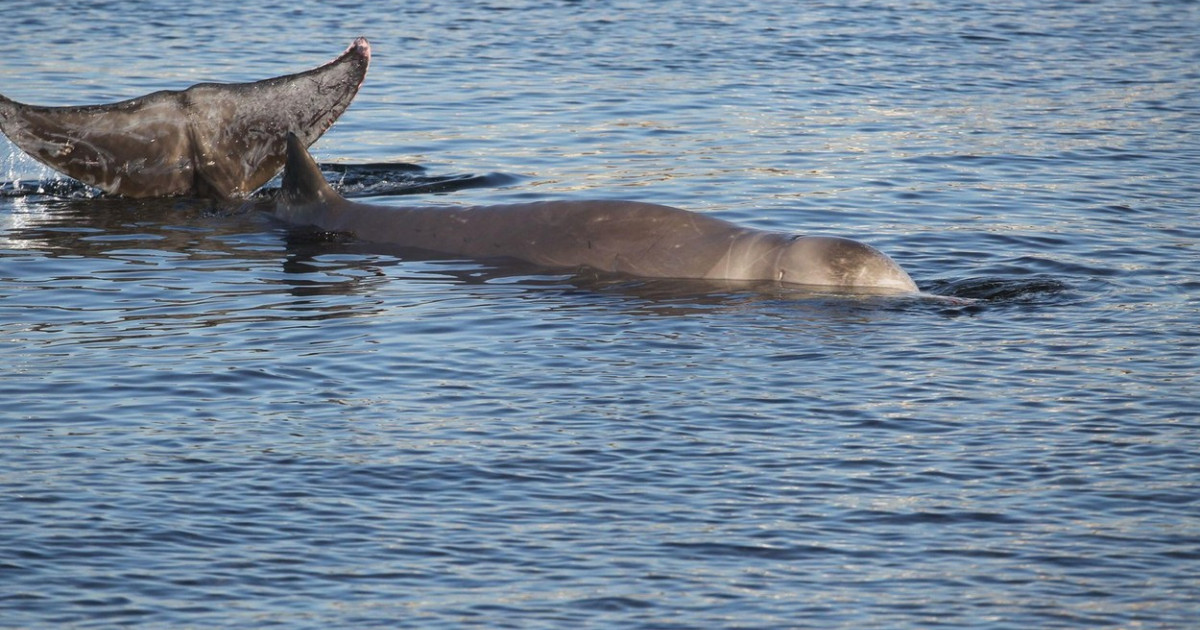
(210, 140)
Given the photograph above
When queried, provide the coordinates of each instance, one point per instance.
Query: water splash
(26, 177)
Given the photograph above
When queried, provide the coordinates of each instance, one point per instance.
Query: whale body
(625, 237)
(210, 140)
(225, 140)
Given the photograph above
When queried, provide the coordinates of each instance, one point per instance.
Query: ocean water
(212, 420)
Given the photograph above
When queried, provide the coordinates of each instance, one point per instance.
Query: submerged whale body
(210, 140)
(634, 238)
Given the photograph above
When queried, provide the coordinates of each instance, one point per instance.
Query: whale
(212, 140)
(622, 237)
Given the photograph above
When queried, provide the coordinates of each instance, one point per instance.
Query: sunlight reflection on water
(214, 420)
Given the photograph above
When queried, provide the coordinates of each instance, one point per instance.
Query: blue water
(210, 420)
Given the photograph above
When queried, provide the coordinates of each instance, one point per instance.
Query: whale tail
(211, 140)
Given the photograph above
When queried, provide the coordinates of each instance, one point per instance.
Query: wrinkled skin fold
(211, 140)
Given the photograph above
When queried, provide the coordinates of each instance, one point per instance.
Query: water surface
(211, 419)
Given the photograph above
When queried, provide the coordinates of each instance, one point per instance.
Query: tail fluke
(213, 140)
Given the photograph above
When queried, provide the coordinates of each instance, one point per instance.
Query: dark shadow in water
(377, 179)
(1007, 290)
(384, 179)
(971, 296)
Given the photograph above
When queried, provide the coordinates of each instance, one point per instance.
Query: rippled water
(212, 420)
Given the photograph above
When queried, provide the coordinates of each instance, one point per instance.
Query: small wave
(1003, 289)
(971, 295)
(612, 603)
(385, 179)
(351, 180)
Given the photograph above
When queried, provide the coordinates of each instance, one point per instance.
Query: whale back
(213, 140)
(628, 237)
